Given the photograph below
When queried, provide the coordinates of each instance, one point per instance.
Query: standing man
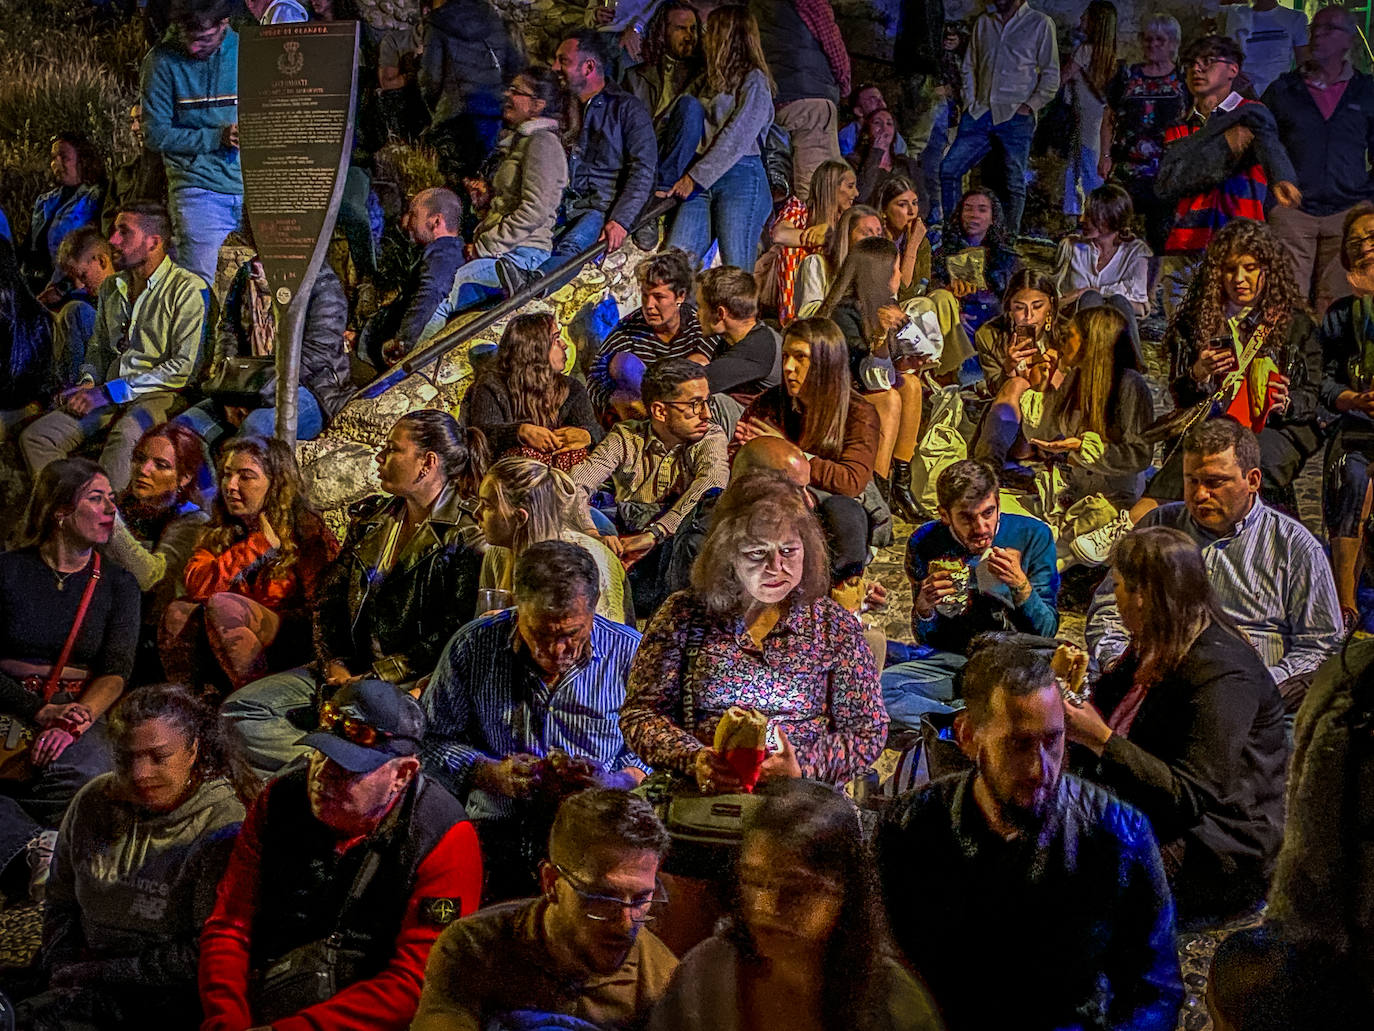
(1011, 71)
(1325, 114)
(190, 86)
(1271, 35)
(810, 64)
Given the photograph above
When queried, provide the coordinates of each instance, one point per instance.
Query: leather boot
(884, 488)
(903, 503)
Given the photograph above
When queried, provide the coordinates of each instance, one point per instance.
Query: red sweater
(239, 569)
(453, 869)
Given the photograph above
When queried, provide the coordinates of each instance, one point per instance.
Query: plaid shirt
(820, 19)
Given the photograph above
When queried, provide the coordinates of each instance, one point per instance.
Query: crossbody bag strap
(1248, 354)
(55, 677)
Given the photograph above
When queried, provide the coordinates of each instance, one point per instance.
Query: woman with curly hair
(975, 260)
(1244, 306)
(802, 227)
(526, 405)
(252, 581)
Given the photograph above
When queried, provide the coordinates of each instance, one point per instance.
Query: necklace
(58, 575)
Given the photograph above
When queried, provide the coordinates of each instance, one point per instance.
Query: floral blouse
(815, 678)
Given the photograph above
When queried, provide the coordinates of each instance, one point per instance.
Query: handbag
(240, 381)
(16, 736)
(1175, 424)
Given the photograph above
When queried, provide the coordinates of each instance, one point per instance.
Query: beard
(1030, 818)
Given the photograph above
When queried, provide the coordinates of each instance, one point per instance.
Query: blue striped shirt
(487, 700)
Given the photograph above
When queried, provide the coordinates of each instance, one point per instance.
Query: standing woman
(53, 572)
(1084, 80)
(725, 192)
(802, 227)
(251, 583)
(526, 405)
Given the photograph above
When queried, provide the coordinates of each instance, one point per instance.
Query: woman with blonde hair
(817, 270)
(725, 192)
(523, 501)
(803, 227)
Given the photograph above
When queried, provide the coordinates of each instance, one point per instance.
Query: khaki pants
(57, 434)
(1314, 242)
(813, 126)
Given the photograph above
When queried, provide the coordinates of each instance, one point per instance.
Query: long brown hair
(1105, 356)
(1166, 567)
(286, 506)
(827, 392)
(866, 279)
(1101, 31)
(55, 493)
(732, 48)
(1029, 279)
(837, 243)
(537, 390)
(823, 202)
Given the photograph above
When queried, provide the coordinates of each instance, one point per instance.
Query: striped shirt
(1240, 195)
(1270, 575)
(633, 334)
(487, 700)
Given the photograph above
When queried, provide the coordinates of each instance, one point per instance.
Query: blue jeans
(1080, 179)
(476, 282)
(580, 231)
(202, 219)
(972, 144)
(932, 160)
(732, 212)
(679, 135)
(913, 689)
(207, 420)
(262, 713)
(38, 802)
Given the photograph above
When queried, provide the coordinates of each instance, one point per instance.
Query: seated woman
(404, 581)
(1348, 388)
(1244, 305)
(805, 944)
(863, 304)
(874, 160)
(251, 583)
(523, 502)
(526, 405)
(802, 227)
(159, 524)
(1104, 263)
(79, 174)
(138, 859)
(1028, 326)
(975, 260)
(68, 628)
(817, 270)
(817, 408)
(531, 173)
(1188, 726)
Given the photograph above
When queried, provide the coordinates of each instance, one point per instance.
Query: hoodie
(468, 56)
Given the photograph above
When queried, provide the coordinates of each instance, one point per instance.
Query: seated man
(148, 340)
(973, 571)
(663, 326)
(748, 353)
(1270, 574)
(85, 258)
(358, 844)
(516, 686)
(867, 99)
(1046, 880)
(659, 468)
(578, 951)
(668, 82)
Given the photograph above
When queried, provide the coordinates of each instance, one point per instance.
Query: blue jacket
(1039, 614)
(1077, 921)
(186, 105)
(53, 218)
(1331, 156)
(613, 166)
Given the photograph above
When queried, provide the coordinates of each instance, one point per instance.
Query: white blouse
(1127, 273)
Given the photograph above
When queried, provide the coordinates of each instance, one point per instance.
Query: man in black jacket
(1026, 897)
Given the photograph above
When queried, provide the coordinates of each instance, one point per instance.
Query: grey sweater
(526, 190)
(735, 122)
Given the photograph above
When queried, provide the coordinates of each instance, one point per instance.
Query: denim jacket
(60, 217)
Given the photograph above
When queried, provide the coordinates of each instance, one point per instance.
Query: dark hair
(1261, 980)
(671, 267)
(546, 88)
(828, 391)
(1103, 360)
(730, 288)
(1352, 216)
(1017, 663)
(153, 219)
(199, 14)
(537, 390)
(189, 450)
(965, 480)
(864, 279)
(1110, 208)
(55, 492)
(663, 377)
(656, 31)
(219, 752)
(88, 160)
(819, 827)
(893, 187)
(286, 505)
(591, 47)
(1215, 436)
(604, 818)
(997, 240)
(462, 453)
(554, 574)
(25, 325)
(1223, 47)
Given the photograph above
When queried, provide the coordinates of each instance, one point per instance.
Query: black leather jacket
(396, 625)
(1073, 929)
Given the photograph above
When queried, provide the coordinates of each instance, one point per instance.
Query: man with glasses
(581, 949)
(357, 844)
(1223, 161)
(1325, 114)
(658, 469)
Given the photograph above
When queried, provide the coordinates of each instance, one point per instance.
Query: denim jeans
(580, 231)
(262, 714)
(476, 282)
(1080, 179)
(913, 689)
(972, 144)
(679, 136)
(732, 212)
(932, 160)
(202, 219)
(207, 420)
(57, 434)
(38, 802)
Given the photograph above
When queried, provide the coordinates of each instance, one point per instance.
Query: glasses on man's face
(515, 91)
(605, 908)
(1205, 64)
(700, 406)
(335, 721)
(1356, 244)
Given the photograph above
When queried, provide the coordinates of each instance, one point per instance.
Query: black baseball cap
(367, 724)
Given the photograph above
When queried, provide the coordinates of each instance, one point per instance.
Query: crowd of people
(471, 756)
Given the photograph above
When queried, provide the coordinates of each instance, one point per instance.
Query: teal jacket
(186, 105)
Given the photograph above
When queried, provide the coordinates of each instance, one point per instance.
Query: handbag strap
(55, 677)
(696, 634)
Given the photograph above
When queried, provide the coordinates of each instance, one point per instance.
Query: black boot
(903, 503)
(884, 489)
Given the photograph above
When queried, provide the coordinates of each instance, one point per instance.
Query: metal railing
(452, 337)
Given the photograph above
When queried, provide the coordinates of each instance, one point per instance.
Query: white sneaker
(1095, 547)
(40, 850)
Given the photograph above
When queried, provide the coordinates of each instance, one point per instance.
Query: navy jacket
(441, 260)
(1073, 929)
(1330, 155)
(613, 167)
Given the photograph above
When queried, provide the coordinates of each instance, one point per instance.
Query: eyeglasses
(604, 908)
(1357, 243)
(701, 406)
(1206, 63)
(350, 728)
(511, 90)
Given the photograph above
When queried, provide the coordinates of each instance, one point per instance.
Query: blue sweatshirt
(186, 105)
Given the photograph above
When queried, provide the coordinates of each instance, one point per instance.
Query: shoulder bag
(1178, 422)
